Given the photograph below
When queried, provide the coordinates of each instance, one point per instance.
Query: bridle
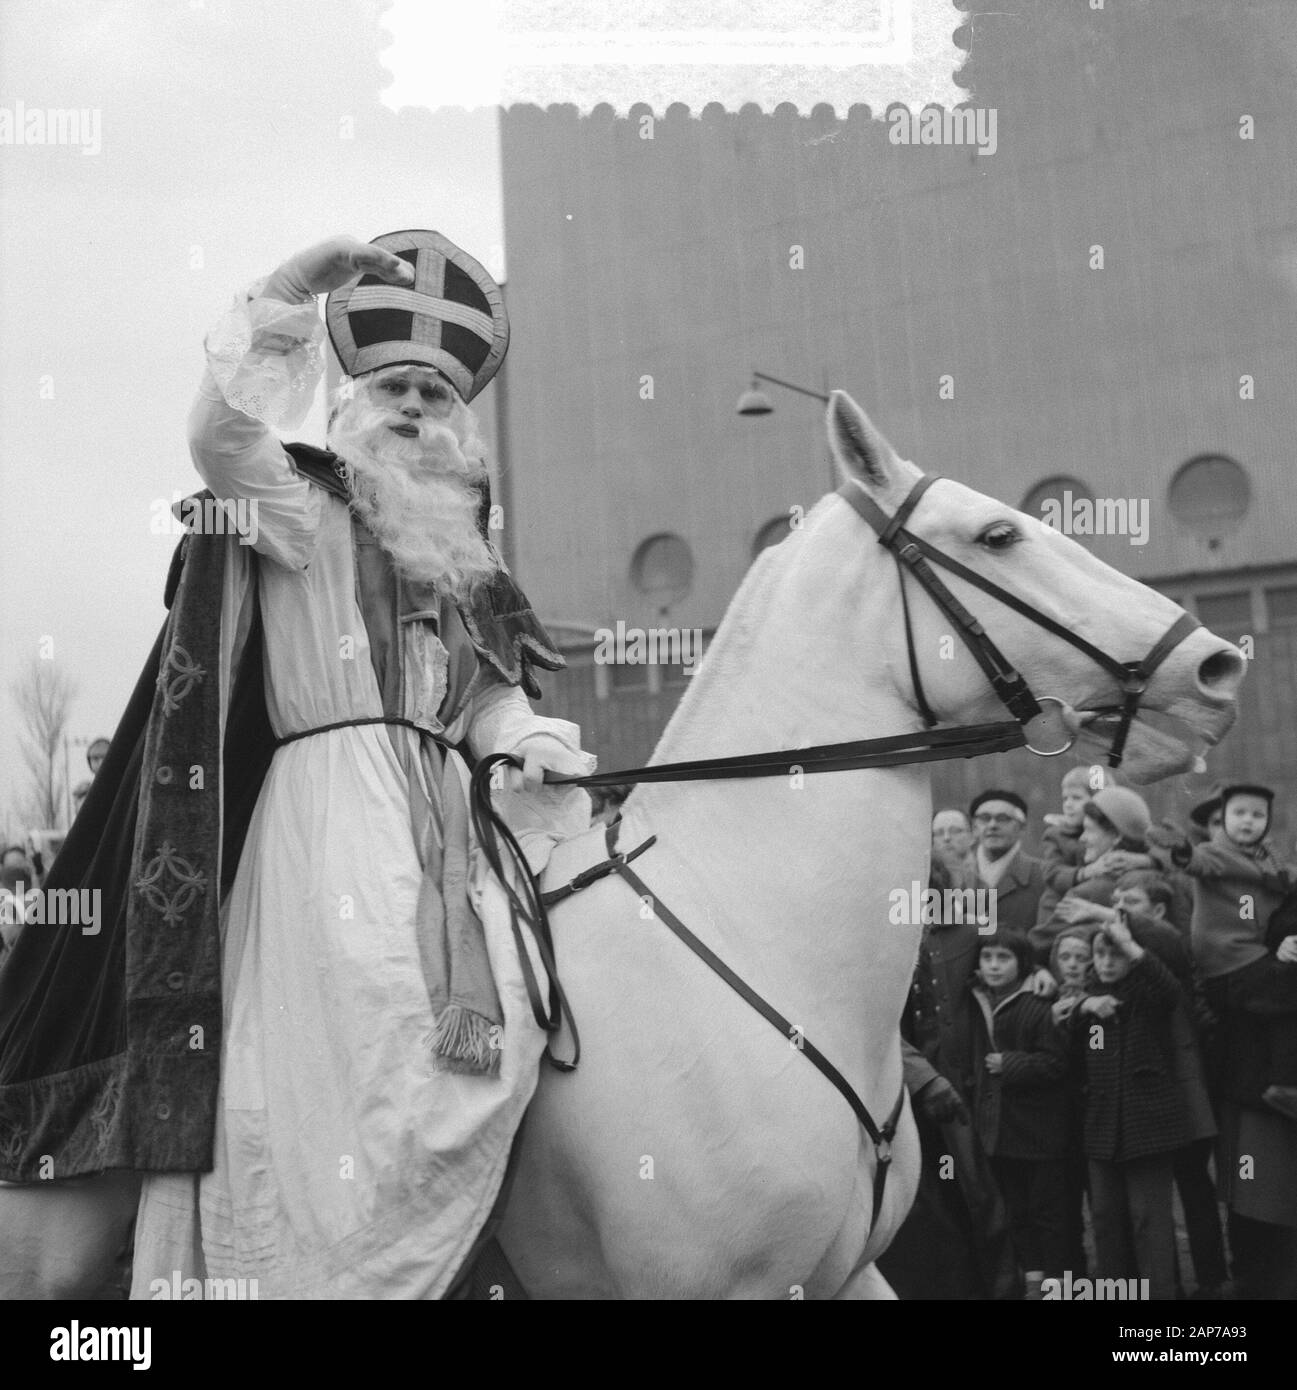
(913, 554)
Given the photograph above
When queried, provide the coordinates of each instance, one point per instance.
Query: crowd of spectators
(1118, 1032)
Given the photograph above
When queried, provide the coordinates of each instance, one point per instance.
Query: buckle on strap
(1135, 682)
(595, 872)
(883, 1157)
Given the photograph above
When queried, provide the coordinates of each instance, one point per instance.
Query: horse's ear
(861, 451)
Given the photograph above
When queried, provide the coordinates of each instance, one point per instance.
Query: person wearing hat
(329, 1046)
(1114, 824)
(1206, 814)
(999, 817)
(1238, 887)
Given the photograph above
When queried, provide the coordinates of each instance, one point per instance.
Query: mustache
(361, 428)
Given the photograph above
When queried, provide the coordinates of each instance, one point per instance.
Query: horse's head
(1194, 685)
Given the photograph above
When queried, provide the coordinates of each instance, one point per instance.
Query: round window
(662, 569)
(1053, 499)
(1210, 495)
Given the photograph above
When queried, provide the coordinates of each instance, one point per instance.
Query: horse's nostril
(1222, 671)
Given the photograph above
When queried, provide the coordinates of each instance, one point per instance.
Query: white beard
(416, 496)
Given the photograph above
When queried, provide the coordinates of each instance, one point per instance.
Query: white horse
(695, 1153)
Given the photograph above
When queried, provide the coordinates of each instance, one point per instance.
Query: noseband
(914, 554)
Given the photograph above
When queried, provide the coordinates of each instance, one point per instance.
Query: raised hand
(1061, 1009)
(332, 264)
(1117, 929)
(1077, 910)
(1121, 861)
(1042, 984)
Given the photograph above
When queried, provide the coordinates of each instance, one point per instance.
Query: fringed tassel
(464, 1041)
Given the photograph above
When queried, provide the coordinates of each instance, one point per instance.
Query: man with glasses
(999, 817)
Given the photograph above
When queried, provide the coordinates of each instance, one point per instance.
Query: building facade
(1102, 309)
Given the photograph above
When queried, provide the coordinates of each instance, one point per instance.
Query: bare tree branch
(43, 695)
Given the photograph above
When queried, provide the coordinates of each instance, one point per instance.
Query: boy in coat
(1135, 1117)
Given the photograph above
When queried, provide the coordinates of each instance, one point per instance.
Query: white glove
(330, 265)
(543, 753)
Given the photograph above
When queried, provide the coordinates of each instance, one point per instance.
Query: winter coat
(940, 1004)
(1134, 1106)
(1246, 1002)
(1022, 1112)
(1187, 1066)
(1073, 1083)
(1223, 873)
(1060, 849)
(1282, 923)
(1017, 895)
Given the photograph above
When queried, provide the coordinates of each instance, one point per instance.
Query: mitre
(451, 319)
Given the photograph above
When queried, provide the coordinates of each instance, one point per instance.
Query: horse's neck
(794, 871)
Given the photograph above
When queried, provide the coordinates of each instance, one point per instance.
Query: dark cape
(110, 1038)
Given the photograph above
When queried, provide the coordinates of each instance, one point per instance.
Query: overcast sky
(231, 134)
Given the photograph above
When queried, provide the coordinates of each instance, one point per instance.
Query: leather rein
(914, 556)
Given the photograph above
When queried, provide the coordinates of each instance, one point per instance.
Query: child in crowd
(1019, 1103)
(1060, 841)
(1134, 1117)
(1238, 884)
(1146, 897)
(1114, 823)
(1069, 963)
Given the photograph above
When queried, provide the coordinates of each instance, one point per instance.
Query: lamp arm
(790, 386)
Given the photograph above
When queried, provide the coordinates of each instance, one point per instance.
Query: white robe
(345, 1165)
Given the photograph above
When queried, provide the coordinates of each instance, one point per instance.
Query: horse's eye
(1000, 536)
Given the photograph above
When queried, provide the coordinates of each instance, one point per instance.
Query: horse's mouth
(1164, 742)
